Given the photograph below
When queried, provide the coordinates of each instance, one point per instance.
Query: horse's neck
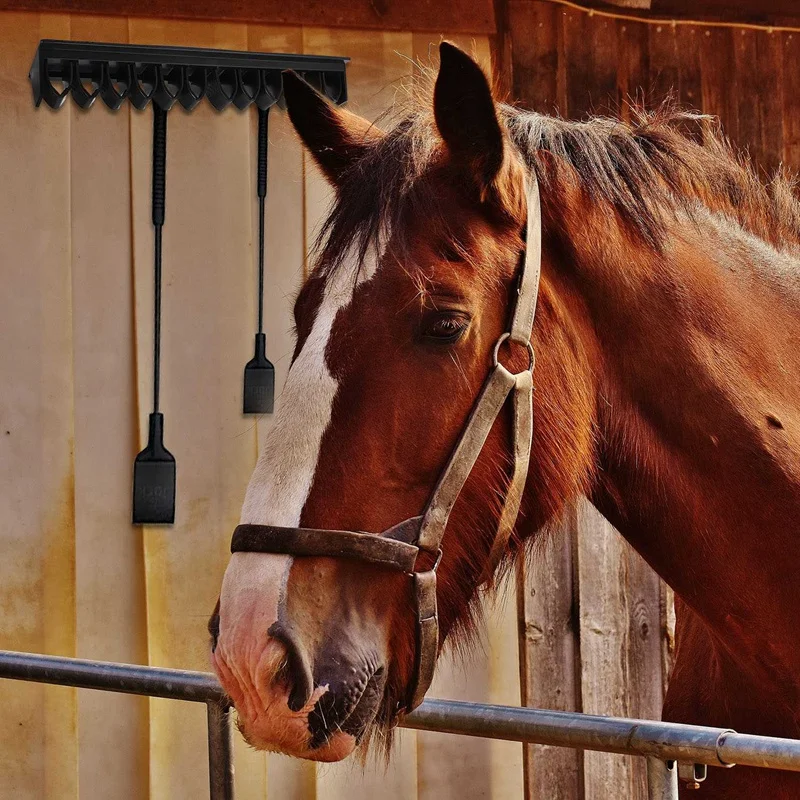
(699, 413)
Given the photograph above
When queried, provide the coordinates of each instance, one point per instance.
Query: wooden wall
(76, 578)
(577, 62)
(595, 622)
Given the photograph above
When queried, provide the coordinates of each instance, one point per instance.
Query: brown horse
(668, 344)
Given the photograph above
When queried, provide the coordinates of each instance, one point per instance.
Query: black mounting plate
(166, 75)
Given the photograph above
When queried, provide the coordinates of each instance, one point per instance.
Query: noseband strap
(398, 548)
(367, 547)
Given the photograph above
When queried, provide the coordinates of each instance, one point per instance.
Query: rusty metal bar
(663, 740)
(660, 742)
(173, 684)
(220, 752)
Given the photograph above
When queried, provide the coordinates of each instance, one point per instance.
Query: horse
(666, 343)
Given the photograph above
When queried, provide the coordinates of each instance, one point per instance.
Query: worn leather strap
(427, 637)
(528, 292)
(463, 458)
(369, 547)
(523, 435)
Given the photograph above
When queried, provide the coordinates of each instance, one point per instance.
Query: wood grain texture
(633, 77)
(756, 12)
(764, 11)
(719, 96)
(769, 72)
(461, 16)
(791, 100)
(687, 43)
(578, 60)
(536, 32)
(664, 63)
(549, 657)
(113, 755)
(37, 467)
(759, 63)
(604, 628)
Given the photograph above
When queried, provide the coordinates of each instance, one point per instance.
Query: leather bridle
(399, 547)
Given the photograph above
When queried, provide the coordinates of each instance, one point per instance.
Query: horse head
(396, 327)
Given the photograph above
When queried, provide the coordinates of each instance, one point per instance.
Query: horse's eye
(445, 326)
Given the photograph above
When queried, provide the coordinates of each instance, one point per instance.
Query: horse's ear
(466, 116)
(336, 138)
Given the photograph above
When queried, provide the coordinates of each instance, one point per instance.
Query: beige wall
(75, 315)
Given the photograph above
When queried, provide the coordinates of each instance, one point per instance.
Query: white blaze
(284, 474)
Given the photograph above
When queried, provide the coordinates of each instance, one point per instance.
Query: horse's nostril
(296, 671)
(213, 628)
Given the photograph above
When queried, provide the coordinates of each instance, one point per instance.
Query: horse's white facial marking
(284, 474)
(254, 586)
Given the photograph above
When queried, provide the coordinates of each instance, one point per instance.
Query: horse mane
(663, 162)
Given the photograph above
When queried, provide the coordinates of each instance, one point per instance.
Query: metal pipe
(662, 779)
(220, 752)
(662, 740)
(175, 684)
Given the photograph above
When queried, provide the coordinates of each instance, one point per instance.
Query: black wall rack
(166, 75)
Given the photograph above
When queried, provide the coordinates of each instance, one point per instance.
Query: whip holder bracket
(160, 77)
(168, 75)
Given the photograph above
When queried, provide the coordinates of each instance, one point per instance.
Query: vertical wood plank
(687, 43)
(549, 653)
(37, 572)
(381, 63)
(770, 76)
(621, 634)
(604, 631)
(577, 33)
(791, 100)
(508, 779)
(749, 120)
(604, 97)
(604, 640)
(207, 337)
(110, 612)
(591, 52)
(664, 63)
(759, 64)
(633, 76)
(534, 30)
(718, 90)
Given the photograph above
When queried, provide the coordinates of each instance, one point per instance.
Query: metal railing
(663, 744)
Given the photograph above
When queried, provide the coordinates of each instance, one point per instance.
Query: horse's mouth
(352, 713)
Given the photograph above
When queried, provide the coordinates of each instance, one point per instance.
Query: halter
(398, 547)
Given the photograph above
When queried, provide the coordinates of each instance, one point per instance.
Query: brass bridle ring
(504, 338)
